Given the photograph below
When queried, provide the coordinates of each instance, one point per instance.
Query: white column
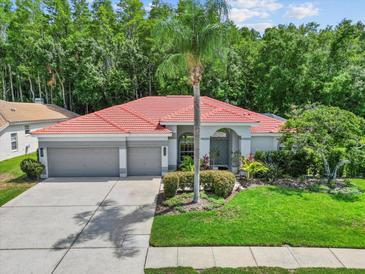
(42, 152)
(204, 146)
(245, 146)
(122, 162)
(172, 148)
(164, 160)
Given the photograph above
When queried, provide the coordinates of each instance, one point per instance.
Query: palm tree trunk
(196, 88)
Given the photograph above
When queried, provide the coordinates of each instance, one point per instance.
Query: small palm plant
(252, 167)
(187, 164)
(194, 37)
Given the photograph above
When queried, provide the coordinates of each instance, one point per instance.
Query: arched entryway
(223, 144)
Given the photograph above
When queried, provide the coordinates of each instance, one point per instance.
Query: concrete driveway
(82, 225)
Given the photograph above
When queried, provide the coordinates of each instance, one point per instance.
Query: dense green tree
(336, 136)
(88, 56)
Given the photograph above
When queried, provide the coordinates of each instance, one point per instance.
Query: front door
(219, 151)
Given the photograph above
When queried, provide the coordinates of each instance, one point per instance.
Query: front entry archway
(220, 148)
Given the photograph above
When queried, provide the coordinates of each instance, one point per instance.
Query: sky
(260, 14)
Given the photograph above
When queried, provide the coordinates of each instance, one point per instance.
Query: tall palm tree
(193, 37)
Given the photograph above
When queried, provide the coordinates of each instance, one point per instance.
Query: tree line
(85, 57)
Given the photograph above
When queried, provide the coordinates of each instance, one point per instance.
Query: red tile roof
(146, 115)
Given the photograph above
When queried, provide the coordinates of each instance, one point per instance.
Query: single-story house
(17, 120)
(151, 135)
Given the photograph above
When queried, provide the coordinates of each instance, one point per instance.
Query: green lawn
(360, 183)
(10, 170)
(255, 270)
(12, 180)
(268, 215)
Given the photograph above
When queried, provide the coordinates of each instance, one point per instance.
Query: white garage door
(144, 161)
(83, 162)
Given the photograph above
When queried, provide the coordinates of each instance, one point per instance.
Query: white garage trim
(122, 162)
(144, 161)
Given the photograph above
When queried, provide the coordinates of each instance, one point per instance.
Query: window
(14, 141)
(27, 129)
(186, 146)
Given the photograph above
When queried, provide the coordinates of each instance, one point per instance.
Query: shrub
(32, 168)
(218, 181)
(206, 179)
(187, 164)
(347, 193)
(253, 167)
(204, 163)
(186, 180)
(274, 172)
(293, 164)
(223, 183)
(170, 184)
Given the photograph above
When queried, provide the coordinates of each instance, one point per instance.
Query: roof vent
(13, 109)
(38, 100)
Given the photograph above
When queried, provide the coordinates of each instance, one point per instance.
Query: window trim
(15, 134)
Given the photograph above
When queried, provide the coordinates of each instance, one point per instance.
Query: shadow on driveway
(108, 227)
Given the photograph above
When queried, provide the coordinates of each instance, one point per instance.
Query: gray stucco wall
(264, 143)
(151, 143)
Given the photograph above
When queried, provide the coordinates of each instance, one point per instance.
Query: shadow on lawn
(110, 222)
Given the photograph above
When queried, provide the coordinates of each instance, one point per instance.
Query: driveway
(82, 225)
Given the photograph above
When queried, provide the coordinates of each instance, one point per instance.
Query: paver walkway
(285, 257)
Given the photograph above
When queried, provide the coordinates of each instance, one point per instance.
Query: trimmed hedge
(223, 183)
(219, 182)
(186, 179)
(171, 183)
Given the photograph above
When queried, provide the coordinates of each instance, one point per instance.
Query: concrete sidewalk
(285, 257)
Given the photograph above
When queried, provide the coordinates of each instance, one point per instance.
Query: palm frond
(212, 43)
(175, 64)
(173, 35)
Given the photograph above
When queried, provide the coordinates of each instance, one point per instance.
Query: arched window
(186, 146)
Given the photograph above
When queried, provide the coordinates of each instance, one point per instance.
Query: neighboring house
(151, 135)
(17, 120)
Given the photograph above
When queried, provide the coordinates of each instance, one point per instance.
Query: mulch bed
(187, 204)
